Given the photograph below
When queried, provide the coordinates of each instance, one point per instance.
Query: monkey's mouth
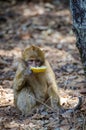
(40, 69)
(35, 66)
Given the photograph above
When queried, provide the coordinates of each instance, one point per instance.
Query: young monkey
(34, 81)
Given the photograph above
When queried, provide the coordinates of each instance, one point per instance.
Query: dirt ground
(49, 26)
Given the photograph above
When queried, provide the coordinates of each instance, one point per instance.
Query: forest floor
(50, 27)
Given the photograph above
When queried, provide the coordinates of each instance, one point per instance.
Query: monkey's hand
(27, 72)
(19, 79)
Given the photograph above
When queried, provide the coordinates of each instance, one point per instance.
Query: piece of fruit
(38, 69)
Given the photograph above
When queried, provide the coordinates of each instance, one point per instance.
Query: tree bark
(78, 9)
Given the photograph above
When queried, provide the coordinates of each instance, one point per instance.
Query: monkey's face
(35, 66)
(33, 58)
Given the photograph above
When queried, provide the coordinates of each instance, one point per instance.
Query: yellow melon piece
(38, 69)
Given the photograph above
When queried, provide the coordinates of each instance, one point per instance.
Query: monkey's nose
(33, 63)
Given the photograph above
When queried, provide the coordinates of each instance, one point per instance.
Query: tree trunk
(78, 9)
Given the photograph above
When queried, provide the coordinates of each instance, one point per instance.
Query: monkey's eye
(28, 63)
(31, 60)
(38, 60)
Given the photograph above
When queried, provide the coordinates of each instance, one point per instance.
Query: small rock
(59, 46)
(57, 129)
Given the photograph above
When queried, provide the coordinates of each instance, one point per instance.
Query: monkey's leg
(26, 100)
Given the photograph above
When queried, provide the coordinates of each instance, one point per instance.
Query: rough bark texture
(78, 9)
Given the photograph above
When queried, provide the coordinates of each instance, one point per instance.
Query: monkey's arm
(54, 92)
(19, 79)
(52, 86)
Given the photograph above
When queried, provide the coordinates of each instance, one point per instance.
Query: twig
(43, 104)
